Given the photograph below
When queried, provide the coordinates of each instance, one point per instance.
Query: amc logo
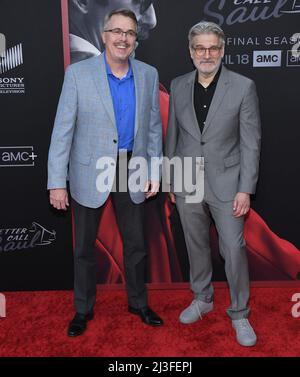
(17, 156)
(293, 59)
(267, 58)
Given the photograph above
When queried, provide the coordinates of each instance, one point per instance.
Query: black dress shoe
(78, 324)
(147, 315)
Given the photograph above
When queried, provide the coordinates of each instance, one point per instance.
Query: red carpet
(36, 325)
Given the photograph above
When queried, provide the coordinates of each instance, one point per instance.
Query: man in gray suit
(214, 120)
(109, 106)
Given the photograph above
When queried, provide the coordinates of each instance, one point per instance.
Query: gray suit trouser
(196, 220)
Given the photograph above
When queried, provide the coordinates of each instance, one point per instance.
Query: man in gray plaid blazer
(109, 105)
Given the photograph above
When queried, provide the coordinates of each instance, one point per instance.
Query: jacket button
(115, 141)
(202, 142)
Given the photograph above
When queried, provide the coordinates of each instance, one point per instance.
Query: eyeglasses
(201, 51)
(117, 31)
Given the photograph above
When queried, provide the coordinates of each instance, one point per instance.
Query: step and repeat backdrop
(35, 241)
(38, 39)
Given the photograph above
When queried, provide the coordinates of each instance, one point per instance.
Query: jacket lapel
(102, 85)
(193, 124)
(221, 89)
(139, 84)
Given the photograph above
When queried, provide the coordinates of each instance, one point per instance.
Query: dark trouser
(130, 218)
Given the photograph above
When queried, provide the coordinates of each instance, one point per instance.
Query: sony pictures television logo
(17, 156)
(10, 59)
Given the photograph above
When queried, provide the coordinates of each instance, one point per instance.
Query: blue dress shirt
(123, 97)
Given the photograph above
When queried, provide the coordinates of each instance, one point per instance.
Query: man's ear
(81, 5)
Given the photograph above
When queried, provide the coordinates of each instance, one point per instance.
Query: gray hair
(205, 27)
(122, 12)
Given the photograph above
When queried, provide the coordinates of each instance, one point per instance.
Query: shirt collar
(109, 71)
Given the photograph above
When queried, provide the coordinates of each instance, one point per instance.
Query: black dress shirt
(203, 97)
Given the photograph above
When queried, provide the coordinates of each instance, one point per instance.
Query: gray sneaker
(245, 334)
(195, 311)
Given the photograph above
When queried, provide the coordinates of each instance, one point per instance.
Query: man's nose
(123, 36)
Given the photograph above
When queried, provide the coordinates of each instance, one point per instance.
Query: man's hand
(172, 198)
(241, 204)
(59, 198)
(151, 188)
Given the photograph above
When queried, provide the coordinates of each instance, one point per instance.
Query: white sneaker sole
(250, 344)
(245, 344)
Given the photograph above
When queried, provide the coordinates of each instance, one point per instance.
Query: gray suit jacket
(230, 141)
(85, 129)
